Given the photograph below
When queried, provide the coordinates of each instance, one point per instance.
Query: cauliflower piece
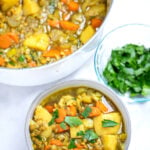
(7, 4)
(115, 116)
(47, 132)
(67, 100)
(38, 41)
(42, 114)
(86, 98)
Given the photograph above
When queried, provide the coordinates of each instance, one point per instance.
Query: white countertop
(15, 101)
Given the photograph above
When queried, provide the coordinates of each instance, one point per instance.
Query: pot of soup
(43, 41)
(78, 114)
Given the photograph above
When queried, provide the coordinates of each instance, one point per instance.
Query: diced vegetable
(100, 130)
(49, 108)
(75, 130)
(56, 142)
(7, 4)
(95, 112)
(61, 128)
(109, 142)
(95, 22)
(101, 106)
(53, 53)
(86, 34)
(5, 41)
(61, 116)
(67, 25)
(88, 123)
(55, 116)
(43, 114)
(38, 41)
(30, 7)
(86, 112)
(72, 111)
(2, 61)
(73, 6)
(47, 132)
(53, 23)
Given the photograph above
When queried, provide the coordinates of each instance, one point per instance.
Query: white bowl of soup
(43, 41)
(78, 114)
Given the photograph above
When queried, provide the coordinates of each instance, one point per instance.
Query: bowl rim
(100, 52)
(77, 83)
(70, 56)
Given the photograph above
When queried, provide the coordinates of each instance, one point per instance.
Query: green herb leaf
(80, 133)
(90, 135)
(73, 121)
(86, 112)
(63, 126)
(21, 58)
(12, 63)
(38, 137)
(55, 116)
(72, 144)
(108, 123)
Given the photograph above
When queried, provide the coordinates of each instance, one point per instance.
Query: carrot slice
(53, 23)
(56, 142)
(14, 37)
(95, 22)
(5, 41)
(71, 111)
(32, 64)
(61, 114)
(101, 106)
(47, 147)
(59, 129)
(2, 61)
(95, 112)
(67, 25)
(73, 6)
(54, 53)
(49, 108)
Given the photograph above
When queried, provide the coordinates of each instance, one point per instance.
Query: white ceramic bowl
(55, 71)
(77, 83)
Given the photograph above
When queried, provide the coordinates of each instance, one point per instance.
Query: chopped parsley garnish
(128, 70)
(55, 116)
(108, 123)
(38, 137)
(63, 126)
(73, 121)
(21, 58)
(72, 144)
(86, 112)
(89, 135)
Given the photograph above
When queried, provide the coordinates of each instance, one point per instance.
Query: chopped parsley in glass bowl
(122, 61)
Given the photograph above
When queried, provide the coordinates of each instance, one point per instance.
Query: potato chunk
(38, 41)
(75, 130)
(109, 142)
(42, 114)
(7, 4)
(86, 34)
(47, 132)
(30, 7)
(88, 123)
(115, 116)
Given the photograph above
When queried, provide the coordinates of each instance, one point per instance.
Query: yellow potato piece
(88, 123)
(87, 33)
(42, 114)
(38, 41)
(46, 133)
(109, 142)
(115, 116)
(75, 130)
(7, 4)
(30, 7)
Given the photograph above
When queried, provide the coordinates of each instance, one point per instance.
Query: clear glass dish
(127, 34)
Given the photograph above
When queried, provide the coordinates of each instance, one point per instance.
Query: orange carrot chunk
(56, 142)
(95, 22)
(73, 6)
(53, 23)
(95, 112)
(49, 108)
(14, 37)
(47, 147)
(5, 41)
(61, 114)
(54, 53)
(2, 61)
(59, 129)
(101, 106)
(32, 64)
(71, 111)
(67, 25)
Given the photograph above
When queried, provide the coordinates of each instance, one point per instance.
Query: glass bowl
(78, 83)
(127, 34)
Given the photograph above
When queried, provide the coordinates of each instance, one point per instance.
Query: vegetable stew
(78, 118)
(39, 32)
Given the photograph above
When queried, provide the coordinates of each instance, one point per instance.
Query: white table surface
(15, 101)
